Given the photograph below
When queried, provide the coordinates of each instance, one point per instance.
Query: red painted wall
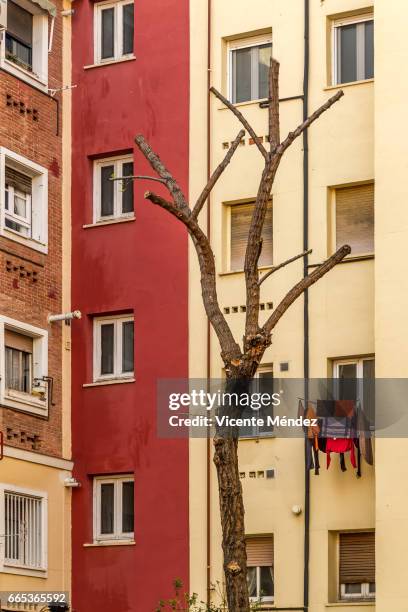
(140, 266)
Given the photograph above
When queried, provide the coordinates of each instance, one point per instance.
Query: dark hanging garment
(364, 437)
(325, 408)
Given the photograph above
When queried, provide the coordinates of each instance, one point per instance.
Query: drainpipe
(306, 296)
(209, 447)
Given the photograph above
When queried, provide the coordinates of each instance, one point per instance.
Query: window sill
(30, 243)
(130, 58)
(109, 222)
(351, 84)
(342, 604)
(257, 438)
(347, 260)
(232, 272)
(247, 103)
(25, 404)
(29, 77)
(23, 571)
(110, 543)
(115, 381)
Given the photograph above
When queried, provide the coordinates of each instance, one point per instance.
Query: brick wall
(30, 282)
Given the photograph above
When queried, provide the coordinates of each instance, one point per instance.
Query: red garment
(340, 445)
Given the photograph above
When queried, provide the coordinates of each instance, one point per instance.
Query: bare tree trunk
(232, 523)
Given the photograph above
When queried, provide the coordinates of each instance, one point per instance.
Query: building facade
(34, 353)
(355, 317)
(129, 279)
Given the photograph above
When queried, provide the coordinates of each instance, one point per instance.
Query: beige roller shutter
(355, 218)
(357, 557)
(260, 552)
(18, 180)
(241, 215)
(18, 341)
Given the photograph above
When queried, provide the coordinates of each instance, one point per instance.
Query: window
(24, 51)
(112, 198)
(19, 36)
(114, 508)
(240, 216)
(357, 565)
(353, 53)
(24, 200)
(263, 383)
(25, 522)
(355, 380)
(260, 568)
(23, 366)
(113, 348)
(249, 70)
(354, 218)
(114, 28)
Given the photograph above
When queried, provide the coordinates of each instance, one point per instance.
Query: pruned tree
(241, 362)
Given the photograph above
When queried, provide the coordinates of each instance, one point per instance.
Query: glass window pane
(369, 50)
(347, 381)
(352, 589)
(241, 75)
(107, 29)
(19, 23)
(20, 205)
(265, 53)
(371, 587)
(251, 578)
(266, 582)
(127, 194)
(107, 507)
(348, 54)
(107, 348)
(128, 26)
(107, 190)
(127, 346)
(128, 507)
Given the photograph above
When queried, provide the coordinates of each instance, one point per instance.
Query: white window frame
(261, 598)
(117, 348)
(118, 32)
(117, 534)
(39, 200)
(256, 433)
(236, 45)
(39, 75)
(18, 400)
(364, 592)
(359, 363)
(13, 568)
(117, 162)
(336, 24)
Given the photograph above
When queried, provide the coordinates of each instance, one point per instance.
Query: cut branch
(274, 128)
(242, 119)
(216, 174)
(280, 149)
(282, 265)
(304, 284)
(157, 165)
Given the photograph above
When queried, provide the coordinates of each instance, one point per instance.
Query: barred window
(23, 516)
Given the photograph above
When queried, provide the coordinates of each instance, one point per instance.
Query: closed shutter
(259, 552)
(241, 215)
(357, 557)
(18, 180)
(355, 218)
(17, 341)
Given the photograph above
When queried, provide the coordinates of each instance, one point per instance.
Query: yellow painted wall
(51, 481)
(341, 147)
